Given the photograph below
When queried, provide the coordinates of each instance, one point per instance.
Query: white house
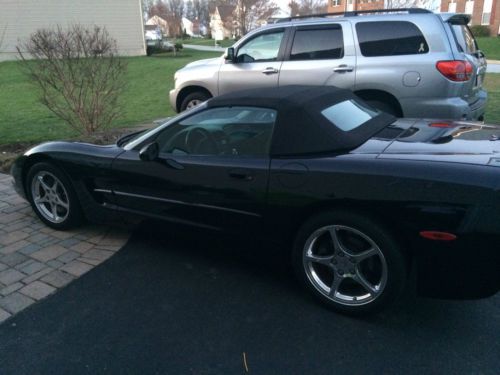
(158, 21)
(223, 22)
(122, 18)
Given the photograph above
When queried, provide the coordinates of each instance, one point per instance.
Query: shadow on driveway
(184, 301)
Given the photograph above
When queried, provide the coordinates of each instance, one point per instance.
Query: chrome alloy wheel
(50, 197)
(345, 265)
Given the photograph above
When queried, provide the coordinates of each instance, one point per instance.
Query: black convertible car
(361, 198)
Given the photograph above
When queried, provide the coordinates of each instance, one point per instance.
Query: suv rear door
(468, 50)
(320, 55)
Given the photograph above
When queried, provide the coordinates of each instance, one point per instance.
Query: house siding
(122, 19)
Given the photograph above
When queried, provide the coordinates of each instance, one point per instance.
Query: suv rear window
(317, 44)
(465, 40)
(390, 38)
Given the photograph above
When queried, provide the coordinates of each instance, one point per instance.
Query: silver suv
(410, 63)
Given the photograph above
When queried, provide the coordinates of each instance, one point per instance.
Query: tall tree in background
(171, 11)
(249, 12)
(427, 4)
(304, 7)
(146, 6)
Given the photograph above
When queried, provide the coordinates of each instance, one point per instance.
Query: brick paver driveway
(35, 260)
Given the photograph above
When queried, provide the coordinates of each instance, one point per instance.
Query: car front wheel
(52, 197)
(349, 262)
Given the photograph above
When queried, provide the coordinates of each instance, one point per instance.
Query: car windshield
(349, 114)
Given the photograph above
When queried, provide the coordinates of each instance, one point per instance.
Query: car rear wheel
(349, 262)
(52, 197)
(194, 99)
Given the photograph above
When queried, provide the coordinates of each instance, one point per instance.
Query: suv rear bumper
(450, 108)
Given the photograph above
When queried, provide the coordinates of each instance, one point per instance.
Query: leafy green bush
(480, 30)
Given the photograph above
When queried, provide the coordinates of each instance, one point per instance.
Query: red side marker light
(437, 236)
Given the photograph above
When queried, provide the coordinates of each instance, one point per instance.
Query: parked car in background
(357, 196)
(155, 41)
(410, 63)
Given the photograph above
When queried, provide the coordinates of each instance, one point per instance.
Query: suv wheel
(194, 99)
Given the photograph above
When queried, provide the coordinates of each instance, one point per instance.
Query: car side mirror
(149, 152)
(229, 55)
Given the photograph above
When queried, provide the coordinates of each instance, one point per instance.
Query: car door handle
(240, 175)
(174, 164)
(270, 70)
(343, 68)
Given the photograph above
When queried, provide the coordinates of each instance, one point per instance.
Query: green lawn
(24, 119)
(492, 85)
(490, 47)
(209, 42)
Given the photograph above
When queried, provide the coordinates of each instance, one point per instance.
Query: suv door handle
(270, 70)
(343, 68)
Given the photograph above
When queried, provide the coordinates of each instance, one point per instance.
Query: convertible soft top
(300, 127)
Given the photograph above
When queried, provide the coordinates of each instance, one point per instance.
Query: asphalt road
(191, 302)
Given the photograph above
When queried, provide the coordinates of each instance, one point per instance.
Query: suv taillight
(455, 70)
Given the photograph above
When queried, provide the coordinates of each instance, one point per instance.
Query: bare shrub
(79, 74)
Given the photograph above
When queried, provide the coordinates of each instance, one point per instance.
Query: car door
(212, 169)
(320, 55)
(257, 63)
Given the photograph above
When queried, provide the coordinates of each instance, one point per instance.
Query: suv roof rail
(357, 12)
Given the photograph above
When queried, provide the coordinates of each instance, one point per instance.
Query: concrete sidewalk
(36, 260)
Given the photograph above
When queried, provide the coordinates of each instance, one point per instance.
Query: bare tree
(78, 72)
(249, 12)
(305, 7)
(394, 4)
(146, 6)
(172, 12)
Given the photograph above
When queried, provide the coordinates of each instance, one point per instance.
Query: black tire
(356, 233)
(194, 99)
(384, 107)
(61, 193)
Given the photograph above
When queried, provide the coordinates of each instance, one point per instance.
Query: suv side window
(390, 38)
(264, 47)
(232, 131)
(318, 44)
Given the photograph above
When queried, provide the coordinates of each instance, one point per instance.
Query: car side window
(231, 131)
(318, 44)
(264, 47)
(390, 38)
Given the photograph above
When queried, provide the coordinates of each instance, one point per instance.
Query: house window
(487, 7)
(336, 3)
(452, 7)
(469, 7)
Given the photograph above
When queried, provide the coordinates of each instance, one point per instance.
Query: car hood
(446, 141)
